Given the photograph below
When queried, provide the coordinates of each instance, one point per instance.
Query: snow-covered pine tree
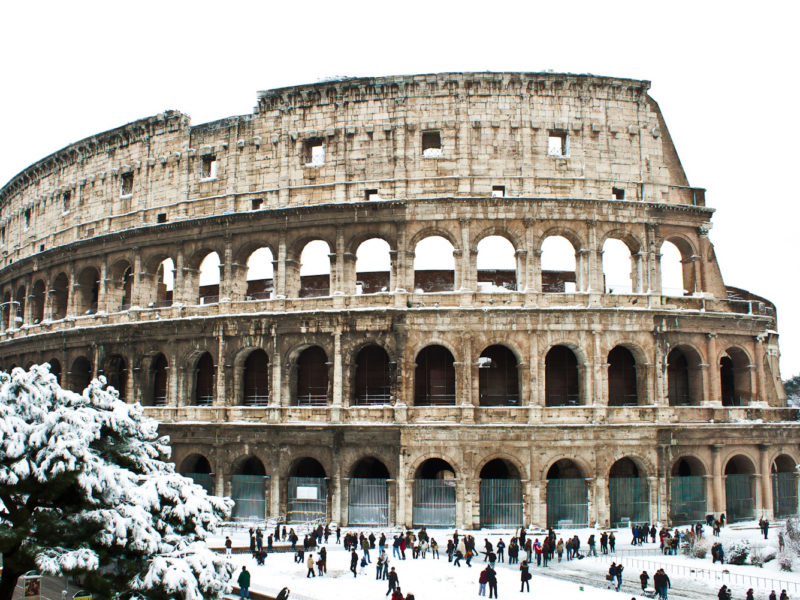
(85, 489)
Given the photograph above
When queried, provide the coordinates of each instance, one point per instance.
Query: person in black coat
(393, 581)
(524, 576)
(491, 579)
(643, 579)
(353, 562)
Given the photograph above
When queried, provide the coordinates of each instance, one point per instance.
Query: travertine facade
(411, 378)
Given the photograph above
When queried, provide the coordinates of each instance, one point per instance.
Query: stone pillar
(653, 261)
(767, 506)
(404, 486)
(714, 390)
(465, 275)
(337, 367)
(582, 282)
(718, 480)
(336, 493)
(602, 508)
(522, 269)
(637, 272)
(592, 498)
(760, 395)
(599, 373)
(652, 497)
(275, 361)
(338, 286)
(103, 294)
(279, 270)
(221, 390)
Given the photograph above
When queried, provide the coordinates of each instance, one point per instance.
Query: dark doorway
(561, 377)
(622, 378)
(435, 378)
(372, 381)
(312, 377)
(498, 378)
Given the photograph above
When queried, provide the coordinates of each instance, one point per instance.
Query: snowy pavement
(428, 579)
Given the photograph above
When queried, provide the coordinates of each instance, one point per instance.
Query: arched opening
(617, 267)
(60, 296)
(373, 379)
(312, 377)
(308, 492)
(501, 495)
(558, 265)
(622, 386)
(740, 497)
(628, 493)
(208, 280)
(734, 376)
(315, 270)
(197, 468)
(80, 374)
(434, 494)
(126, 284)
(435, 378)
(55, 369)
(204, 381)
(165, 283)
(373, 267)
(116, 372)
(255, 379)
(498, 382)
(496, 265)
(368, 499)
(784, 487)
(434, 265)
(673, 282)
(21, 299)
(567, 496)
(8, 310)
(88, 291)
(260, 275)
(158, 378)
(683, 377)
(688, 502)
(561, 381)
(248, 490)
(37, 302)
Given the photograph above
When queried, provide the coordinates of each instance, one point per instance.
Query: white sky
(724, 75)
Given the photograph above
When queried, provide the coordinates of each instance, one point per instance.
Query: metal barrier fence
(712, 575)
(501, 503)
(308, 499)
(247, 492)
(369, 502)
(740, 500)
(687, 499)
(630, 500)
(204, 480)
(784, 494)
(567, 501)
(434, 503)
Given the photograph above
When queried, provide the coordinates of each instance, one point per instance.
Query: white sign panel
(306, 492)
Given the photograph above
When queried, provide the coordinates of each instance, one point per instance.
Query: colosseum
(390, 301)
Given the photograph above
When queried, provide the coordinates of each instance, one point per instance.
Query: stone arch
(619, 267)
(60, 296)
(369, 466)
(157, 381)
(435, 377)
(242, 252)
(260, 273)
(164, 283)
(254, 375)
(203, 380)
(315, 268)
(560, 267)
(496, 263)
(518, 469)
(630, 239)
(624, 379)
(684, 376)
(433, 231)
(515, 238)
(209, 274)
(562, 376)
(498, 376)
(629, 493)
(567, 494)
(435, 265)
(88, 291)
(116, 370)
(783, 471)
(368, 492)
(373, 266)
(38, 292)
(80, 374)
(120, 289)
(55, 369)
(740, 487)
(8, 311)
(372, 375)
(735, 368)
(669, 269)
(248, 489)
(500, 493)
(688, 490)
(307, 490)
(311, 377)
(21, 298)
(198, 468)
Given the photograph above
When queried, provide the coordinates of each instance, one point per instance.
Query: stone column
(718, 480)
(522, 269)
(337, 367)
(602, 508)
(336, 493)
(279, 270)
(653, 261)
(767, 506)
(637, 272)
(592, 498)
(465, 271)
(275, 361)
(714, 390)
(103, 294)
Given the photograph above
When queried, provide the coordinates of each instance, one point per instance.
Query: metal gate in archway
(567, 503)
(368, 502)
(434, 503)
(204, 480)
(501, 503)
(740, 502)
(247, 492)
(630, 500)
(784, 494)
(687, 499)
(308, 499)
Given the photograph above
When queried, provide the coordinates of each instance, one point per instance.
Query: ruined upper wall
(492, 130)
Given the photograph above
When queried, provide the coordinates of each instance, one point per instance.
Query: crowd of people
(463, 548)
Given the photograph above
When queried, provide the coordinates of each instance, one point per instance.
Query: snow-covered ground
(583, 579)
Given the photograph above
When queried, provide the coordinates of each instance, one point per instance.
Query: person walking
(724, 593)
(501, 546)
(434, 548)
(228, 546)
(379, 565)
(491, 577)
(393, 581)
(619, 576)
(662, 584)
(643, 579)
(524, 576)
(560, 548)
(784, 595)
(749, 595)
(244, 583)
(310, 565)
(353, 561)
(323, 559)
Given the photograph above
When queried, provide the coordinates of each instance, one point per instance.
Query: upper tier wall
(537, 135)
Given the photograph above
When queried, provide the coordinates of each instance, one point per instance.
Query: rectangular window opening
(256, 203)
(2, 235)
(371, 195)
(557, 143)
(209, 167)
(618, 193)
(27, 218)
(41, 247)
(127, 184)
(431, 144)
(314, 152)
(66, 199)
(161, 218)
(498, 191)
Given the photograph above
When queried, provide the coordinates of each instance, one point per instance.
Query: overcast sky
(724, 74)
